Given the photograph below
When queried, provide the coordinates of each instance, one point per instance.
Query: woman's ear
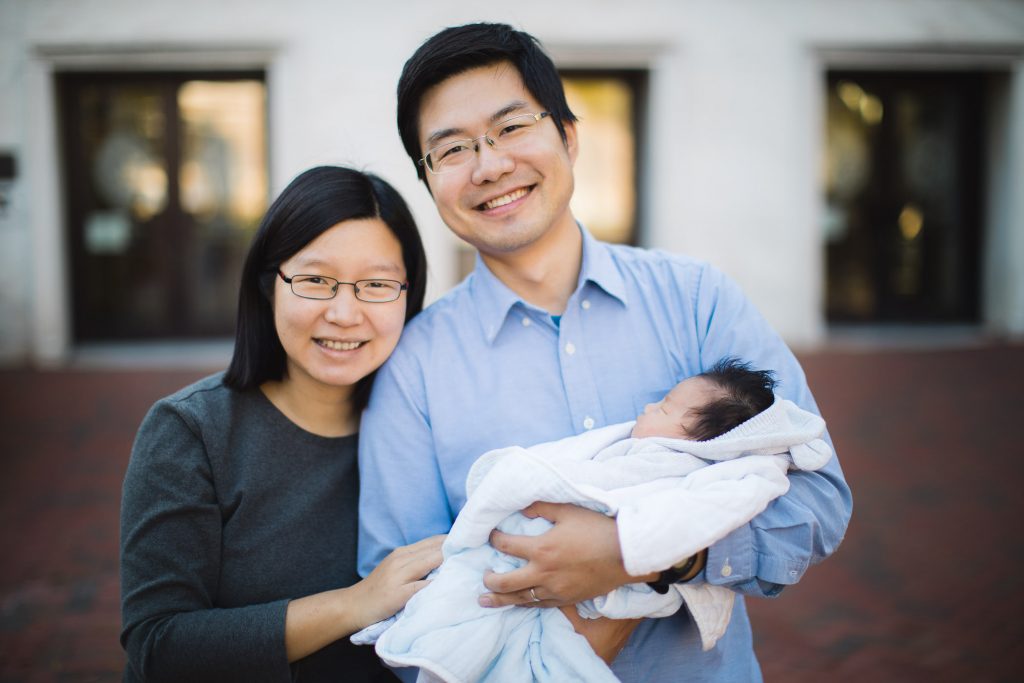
(266, 284)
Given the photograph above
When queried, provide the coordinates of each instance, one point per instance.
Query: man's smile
(504, 199)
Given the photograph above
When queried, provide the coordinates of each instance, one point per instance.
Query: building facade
(851, 161)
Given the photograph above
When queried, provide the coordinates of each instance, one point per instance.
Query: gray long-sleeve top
(230, 510)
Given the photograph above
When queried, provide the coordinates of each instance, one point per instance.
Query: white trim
(945, 58)
(154, 57)
(51, 342)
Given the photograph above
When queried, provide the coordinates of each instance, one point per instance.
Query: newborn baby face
(670, 417)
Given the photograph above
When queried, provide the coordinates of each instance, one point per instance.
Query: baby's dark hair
(747, 392)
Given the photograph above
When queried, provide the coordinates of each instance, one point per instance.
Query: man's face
(505, 200)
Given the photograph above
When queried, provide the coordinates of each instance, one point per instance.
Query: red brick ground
(923, 589)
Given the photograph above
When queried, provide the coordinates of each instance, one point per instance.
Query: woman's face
(336, 342)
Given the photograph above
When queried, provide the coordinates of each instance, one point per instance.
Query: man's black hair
(745, 393)
(314, 202)
(458, 49)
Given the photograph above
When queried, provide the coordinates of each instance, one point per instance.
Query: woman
(238, 518)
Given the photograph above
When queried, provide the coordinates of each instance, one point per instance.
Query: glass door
(904, 182)
(165, 180)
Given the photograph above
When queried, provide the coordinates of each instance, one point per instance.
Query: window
(609, 107)
(904, 178)
(165, 178)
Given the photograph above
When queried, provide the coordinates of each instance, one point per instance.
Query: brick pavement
(923, 589)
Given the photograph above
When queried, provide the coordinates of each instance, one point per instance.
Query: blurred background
(857, 165)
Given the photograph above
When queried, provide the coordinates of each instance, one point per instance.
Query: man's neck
(543, 273)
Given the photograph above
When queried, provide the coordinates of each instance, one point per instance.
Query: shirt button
(588, 423)
(585, 304)
(726, 570)
(570, 348)
(526, 322)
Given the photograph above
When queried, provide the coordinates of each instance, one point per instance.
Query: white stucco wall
(735, 118)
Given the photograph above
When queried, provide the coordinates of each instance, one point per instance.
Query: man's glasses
(323, 287)
(456, 154)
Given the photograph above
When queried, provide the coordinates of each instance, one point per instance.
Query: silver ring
(534, 596)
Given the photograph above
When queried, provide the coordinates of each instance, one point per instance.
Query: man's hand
(577, 559)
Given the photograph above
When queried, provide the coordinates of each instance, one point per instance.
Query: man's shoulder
(449, 318)
(631, 256)
(658, 265)
(448, 310)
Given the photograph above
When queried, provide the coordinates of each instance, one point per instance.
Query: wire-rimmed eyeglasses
(455, 154)
(374, 291)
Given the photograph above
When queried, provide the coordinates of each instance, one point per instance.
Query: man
(555, 333)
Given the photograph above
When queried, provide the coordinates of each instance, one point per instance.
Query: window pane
(223, 183)
(166, 181)
(903, 173)
(605, 196)
(121, 158)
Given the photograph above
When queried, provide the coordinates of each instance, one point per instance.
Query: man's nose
(491, 162)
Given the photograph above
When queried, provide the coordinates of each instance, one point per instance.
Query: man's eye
(511, 128)
(454, 150)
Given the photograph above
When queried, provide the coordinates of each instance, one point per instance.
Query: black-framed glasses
(374, 291)
(455, 154)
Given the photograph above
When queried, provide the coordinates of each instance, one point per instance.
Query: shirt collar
(599, 268)
(494, 300)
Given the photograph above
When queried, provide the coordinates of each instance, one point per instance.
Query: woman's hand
(316, 621)
(397, 578)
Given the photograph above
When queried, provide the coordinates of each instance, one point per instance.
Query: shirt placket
(574, 357)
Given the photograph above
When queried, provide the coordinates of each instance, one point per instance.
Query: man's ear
(570, 140)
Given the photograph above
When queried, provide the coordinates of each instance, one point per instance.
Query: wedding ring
(534, 596)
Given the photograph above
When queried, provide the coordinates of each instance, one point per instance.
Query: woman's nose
(344, 308)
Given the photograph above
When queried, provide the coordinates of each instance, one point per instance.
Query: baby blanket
(671, 498)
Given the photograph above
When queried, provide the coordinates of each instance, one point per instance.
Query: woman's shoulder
(203, 400)
(208, 390)
(205, 412)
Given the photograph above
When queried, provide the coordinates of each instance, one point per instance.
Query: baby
(696, 465)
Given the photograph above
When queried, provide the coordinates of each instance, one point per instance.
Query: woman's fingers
(414, 561)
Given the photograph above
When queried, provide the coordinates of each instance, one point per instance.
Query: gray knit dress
(230, 510)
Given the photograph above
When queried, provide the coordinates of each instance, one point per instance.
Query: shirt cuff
(735, 562)
(732, 560)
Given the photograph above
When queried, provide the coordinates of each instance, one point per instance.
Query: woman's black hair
(745, 393)
(460, 48)
(315, 201)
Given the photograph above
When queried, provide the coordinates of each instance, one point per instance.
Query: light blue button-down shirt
(482, 369)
